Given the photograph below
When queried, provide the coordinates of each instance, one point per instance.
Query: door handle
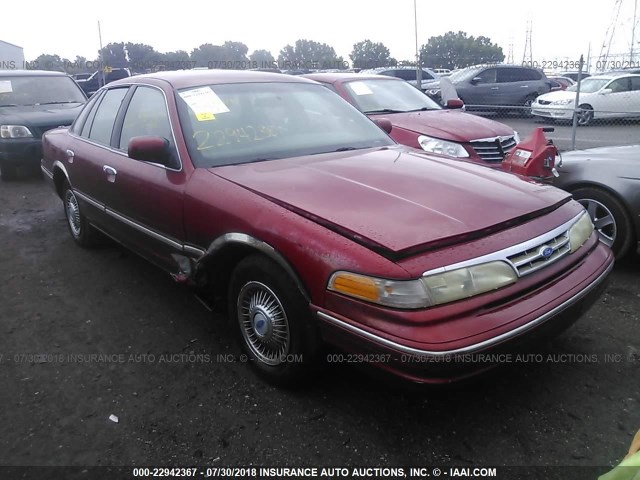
(524, 86)
(495, 88)
(70, 155)
(111, 173)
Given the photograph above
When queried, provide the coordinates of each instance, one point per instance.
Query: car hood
(449, 125)
(562, 95)
(397, 200)
(620, 161)
(40, 116)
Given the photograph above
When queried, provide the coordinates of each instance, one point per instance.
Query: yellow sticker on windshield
(205, 116)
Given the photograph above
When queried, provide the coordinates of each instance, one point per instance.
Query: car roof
(336, 77)
(193, 78)
(31, 73)
(611, 76)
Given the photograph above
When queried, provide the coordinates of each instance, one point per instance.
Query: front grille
(532, 259)
(493, 149)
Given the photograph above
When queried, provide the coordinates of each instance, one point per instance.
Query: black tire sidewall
(261, 269)
(86, 237)
(624, 230)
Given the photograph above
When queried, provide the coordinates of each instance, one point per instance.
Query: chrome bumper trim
(477, 346)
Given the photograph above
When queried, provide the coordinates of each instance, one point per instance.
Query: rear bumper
(439, 364)
(21, 151)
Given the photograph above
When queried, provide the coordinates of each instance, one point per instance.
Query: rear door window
(105, 116)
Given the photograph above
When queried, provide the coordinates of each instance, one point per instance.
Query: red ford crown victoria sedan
(419, 122)
(274, 193)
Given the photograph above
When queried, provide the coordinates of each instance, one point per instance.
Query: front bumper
(550, 111)
(548, 311)
(21, 151)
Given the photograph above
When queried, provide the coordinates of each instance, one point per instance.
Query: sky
(561, 29)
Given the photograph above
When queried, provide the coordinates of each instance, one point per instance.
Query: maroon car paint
(393, 197)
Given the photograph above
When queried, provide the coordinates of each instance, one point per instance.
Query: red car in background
(273, 193)
(419, 122)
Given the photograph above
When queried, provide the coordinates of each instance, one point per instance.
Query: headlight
(433, 91)
(442, 147)
(466, 282)
(15, 131)
(427, 291)
(562, 102)
(391, 293)
(580, 232)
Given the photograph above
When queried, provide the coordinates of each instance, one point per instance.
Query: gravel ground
(178, 403)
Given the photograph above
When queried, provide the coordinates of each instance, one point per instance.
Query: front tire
(610, 218)
(272, 319)
(81, 231)
(584, 115)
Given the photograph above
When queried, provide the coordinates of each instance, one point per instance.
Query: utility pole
(101, 74)
(527, 57)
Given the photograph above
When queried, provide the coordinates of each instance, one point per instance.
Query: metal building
(11, 56)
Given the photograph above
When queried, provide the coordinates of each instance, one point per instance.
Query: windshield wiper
(10, 105)
(422, 109)
(347, 149)
(385, 110)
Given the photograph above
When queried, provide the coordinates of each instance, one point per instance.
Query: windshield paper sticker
(5, 86)
(204, 103)
(360, 88)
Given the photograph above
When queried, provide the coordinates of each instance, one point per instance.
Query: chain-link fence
(602, 109)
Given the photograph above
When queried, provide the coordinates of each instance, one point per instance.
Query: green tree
(310, 54)
(458, 50)
(49, 62)
(178, 60)
(367, 54)
(114, 55)
(142, 57)
(229, 55)
(262, 58)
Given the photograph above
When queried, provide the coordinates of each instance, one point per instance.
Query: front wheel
(610, 218)
(584, 115)
(272, 319)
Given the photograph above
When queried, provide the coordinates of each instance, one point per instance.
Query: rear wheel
(610, 218)
(272, 319)
(526, 106)
(584, 115)
(81, 231)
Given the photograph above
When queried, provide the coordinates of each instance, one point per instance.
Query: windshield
(388, 96)
(39, 91)
(249, 122)
(464, 74)
(590, 85)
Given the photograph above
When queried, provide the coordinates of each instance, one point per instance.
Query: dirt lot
(177, 403)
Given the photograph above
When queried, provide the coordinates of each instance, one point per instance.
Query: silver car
(607, 182)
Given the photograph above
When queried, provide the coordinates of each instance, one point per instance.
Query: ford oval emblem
(546, 252)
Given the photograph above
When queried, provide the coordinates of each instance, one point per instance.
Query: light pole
(418, 66)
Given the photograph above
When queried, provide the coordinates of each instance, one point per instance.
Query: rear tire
(272, 320)
(81, 230)
(610, 218)
(526, 106)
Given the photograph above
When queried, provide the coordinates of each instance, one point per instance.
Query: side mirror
(475, 80)
(454, 103)
(384, 124)
(151, 149)
(605, 91)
